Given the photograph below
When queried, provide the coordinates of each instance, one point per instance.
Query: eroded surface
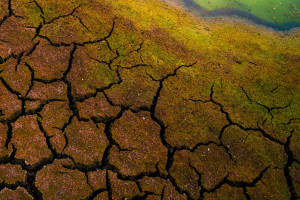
(93, 108)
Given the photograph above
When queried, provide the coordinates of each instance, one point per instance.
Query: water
(278, 14)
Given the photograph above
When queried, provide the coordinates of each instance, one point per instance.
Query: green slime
(277, 12)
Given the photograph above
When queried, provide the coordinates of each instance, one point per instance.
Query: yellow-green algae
(282, 14)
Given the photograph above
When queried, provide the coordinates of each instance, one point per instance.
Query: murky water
(278, 14)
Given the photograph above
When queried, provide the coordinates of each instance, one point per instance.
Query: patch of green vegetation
(279, 12)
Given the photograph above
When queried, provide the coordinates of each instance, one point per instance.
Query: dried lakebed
(113, 103)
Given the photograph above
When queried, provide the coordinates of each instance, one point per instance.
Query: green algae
(282, 14)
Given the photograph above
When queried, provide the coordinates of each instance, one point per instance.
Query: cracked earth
(84, 118)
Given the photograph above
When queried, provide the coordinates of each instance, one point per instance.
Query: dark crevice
(19, 60)
(274, 89)
(9, 134)
(31, 79)
(40, 8)
(142, 197)
(37, 31)
(259, 129)
(72, 53)
(33, 48)
(241, 184)
(269, 109)
(80, 44)
(136, 66)
(42, 15)
(171, 150)
(62, 16)
(163, 193)
(221, 107)
(248, 97)
(47, 137)
(55, 80)
(99, 90)
(138, 49)
(81, 22)
(30, 186)
(72, 103)
(14, 186)
(9, 14)
(247, 196)
(291, 121)
(236, 184)
(289, 163)
(95, 193)
(108, 186)
(23, 112)
(199, 182)
(178, 189)
(231, 123)
(107, 131)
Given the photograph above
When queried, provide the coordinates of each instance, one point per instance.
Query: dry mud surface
(81, 120)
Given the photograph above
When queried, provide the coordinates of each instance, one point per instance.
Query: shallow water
(278, 14)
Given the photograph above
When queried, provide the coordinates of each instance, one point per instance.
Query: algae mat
(279, 14)
(130, 99)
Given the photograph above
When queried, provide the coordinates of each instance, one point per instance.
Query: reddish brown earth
(82, 117)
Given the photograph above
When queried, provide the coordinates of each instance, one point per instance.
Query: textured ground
(118, 100)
